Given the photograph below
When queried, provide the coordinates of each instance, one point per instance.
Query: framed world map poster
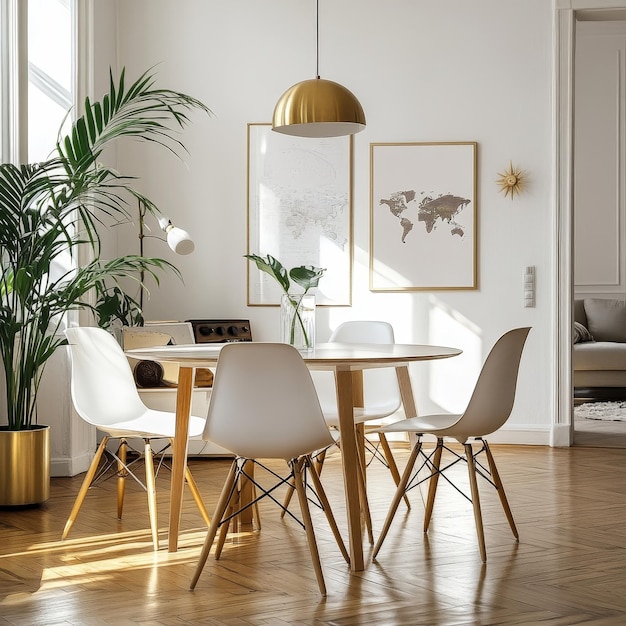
(300, 211)
(423, 216)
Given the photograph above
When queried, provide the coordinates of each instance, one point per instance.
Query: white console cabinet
(164, 398)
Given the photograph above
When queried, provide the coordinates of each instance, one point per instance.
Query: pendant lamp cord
(317, 38)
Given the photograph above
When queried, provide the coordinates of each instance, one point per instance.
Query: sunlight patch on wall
(452, 380)
(332, 255)
(384, 274)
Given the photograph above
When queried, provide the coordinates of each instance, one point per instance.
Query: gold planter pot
(24, 466)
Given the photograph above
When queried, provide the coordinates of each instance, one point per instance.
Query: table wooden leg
(179, 453)
(406, 394)
(406, 391)
(246, 495)
(350, 460)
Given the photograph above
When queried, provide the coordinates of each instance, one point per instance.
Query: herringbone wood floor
(568, 568)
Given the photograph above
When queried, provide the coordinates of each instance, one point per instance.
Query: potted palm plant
(48, 211)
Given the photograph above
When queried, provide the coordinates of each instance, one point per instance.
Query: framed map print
(300, 211)
(423, 216)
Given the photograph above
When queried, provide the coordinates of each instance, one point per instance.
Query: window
(8, 75)
(38, 65)
(3, 77)
(50, 66)
(37, 43)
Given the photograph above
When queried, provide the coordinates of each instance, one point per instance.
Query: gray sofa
(599, 350)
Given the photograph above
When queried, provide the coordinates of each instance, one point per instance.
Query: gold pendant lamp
(318, 107)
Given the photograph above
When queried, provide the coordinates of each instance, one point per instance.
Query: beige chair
(488, 409)
(264, 406)
(104, 395)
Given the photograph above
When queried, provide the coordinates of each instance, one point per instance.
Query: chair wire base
(106, 469)
(228, 507)
(103, 468)
(431, 462)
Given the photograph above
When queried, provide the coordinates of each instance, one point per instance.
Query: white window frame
(14, 71)
(14, 80)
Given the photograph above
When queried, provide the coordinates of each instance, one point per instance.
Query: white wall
(72, 440)
(437, 70)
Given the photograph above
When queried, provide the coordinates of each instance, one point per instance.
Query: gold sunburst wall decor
(512, 181)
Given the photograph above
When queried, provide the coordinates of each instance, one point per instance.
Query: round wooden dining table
(347, 361)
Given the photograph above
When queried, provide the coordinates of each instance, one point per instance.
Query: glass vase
(297, 320)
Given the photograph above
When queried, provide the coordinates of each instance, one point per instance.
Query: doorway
(598, 201)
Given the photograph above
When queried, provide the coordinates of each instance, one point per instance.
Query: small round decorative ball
(148, 374)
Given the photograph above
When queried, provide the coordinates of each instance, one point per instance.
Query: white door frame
(562, 433)
(564, 22)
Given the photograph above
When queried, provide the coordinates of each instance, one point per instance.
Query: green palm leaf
(50, 209)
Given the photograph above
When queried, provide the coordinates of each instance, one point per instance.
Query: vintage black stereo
(221, 331)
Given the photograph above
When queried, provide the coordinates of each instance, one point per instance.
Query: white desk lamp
(178, 240)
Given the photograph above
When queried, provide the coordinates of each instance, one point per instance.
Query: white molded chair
(381, 393)
(104, 395)
(488, 409)
(381, 399)
(264, 406)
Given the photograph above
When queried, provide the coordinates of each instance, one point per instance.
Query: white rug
(608, 411)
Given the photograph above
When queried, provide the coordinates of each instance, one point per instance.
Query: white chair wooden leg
(321, 494)
(318, 463)
(471, 468)
(391, 462)
(84, 488)
(365, 505)
(221, 539)
(222, 504)
(122, 472)
(151, 491)
(432, 483)
(193, 487)
(400, 491)
(195, 493)
(287, 500)
(257, 512)
(297, 467)
(500, 487)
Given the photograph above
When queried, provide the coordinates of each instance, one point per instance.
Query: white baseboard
(521, 435)
(70, 467)
(515, 435)
(561, 435)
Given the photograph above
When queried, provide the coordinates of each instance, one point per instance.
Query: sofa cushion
(581, 333)
(599, 355)
(579, 312)
(606, 319)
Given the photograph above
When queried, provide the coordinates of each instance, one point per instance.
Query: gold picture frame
(423, 216)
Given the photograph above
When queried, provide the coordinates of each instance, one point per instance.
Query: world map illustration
(431, 211)
(314, 211)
